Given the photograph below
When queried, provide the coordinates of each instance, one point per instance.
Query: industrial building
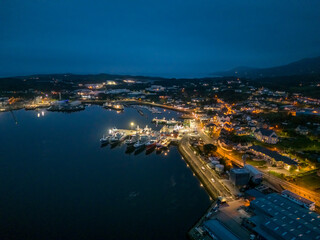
(306, 203)
(218, 231)
(255, 174)
(239, 176)
(219, 168)
(278, 218)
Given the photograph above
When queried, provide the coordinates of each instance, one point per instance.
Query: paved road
(135, 102)
(207, 175)
(277, 182)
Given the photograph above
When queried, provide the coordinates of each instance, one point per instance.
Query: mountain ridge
(305, 66)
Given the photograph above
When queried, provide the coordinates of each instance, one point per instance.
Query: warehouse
(218, 231)
(276, 217)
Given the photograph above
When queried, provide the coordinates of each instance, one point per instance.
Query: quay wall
(213, 193)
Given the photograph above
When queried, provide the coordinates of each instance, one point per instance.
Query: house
(221, 119)
(211, 127)
(156, 88)
(228, 126)
(240, 132)
(266, 135)
(117, 91)
(273, 157)
(4, 101)
(302, 130)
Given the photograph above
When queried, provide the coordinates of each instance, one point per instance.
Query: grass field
(256, 163)
(310, 181)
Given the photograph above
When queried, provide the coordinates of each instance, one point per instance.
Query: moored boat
(105, 139)
(139, 144)
(132, 140)
(116, 137)
(151, 144)
(114, 106)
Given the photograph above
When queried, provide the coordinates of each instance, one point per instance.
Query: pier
(129, 102)
(165, 121)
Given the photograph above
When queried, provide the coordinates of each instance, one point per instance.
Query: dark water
(57, 183)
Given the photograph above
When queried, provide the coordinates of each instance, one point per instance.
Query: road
(207, 176)
(276, 182)
(136, 102)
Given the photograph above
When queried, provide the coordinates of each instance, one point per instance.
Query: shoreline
(212, 194)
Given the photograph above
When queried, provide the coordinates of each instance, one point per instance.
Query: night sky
(181, 38)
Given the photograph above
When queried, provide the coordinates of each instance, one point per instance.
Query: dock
(229, 215)
(165, 121)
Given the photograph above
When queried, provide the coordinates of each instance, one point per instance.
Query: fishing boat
(139, 144)
(159, 120)
(172, 122)
(105, 139)
(124, 137)
(164, 143)
(116, 137)
(151, 144)
(132, 140)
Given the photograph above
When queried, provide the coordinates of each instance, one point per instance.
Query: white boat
(132, 140)
(171, 122)
(164, 143)
(114, 129)
(116, 137)
(124, 136)
(139, 144)
(159, 120)
(151, 142)
(154, 110)
(104, 140)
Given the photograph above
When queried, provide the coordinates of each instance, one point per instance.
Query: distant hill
(306, 66)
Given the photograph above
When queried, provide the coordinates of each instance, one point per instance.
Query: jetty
(165, 121)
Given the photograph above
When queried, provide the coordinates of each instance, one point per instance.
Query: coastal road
(206, 174)
(274, 181)
(136, 102)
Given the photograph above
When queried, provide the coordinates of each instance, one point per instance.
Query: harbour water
(56, 182)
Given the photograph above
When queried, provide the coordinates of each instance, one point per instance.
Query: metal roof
(219, 230)
(297, 197)
(285, 219)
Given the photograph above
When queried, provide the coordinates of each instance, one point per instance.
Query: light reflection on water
(58, 183)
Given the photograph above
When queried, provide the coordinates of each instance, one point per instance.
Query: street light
(131, 124)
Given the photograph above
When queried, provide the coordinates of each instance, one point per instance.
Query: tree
(209, 148)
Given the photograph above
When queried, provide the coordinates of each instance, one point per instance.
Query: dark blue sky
(154, 37)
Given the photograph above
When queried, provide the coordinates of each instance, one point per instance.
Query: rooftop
(298, 197)
(216, 228)
(284, 219)
(265, 132)
(273, 154)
